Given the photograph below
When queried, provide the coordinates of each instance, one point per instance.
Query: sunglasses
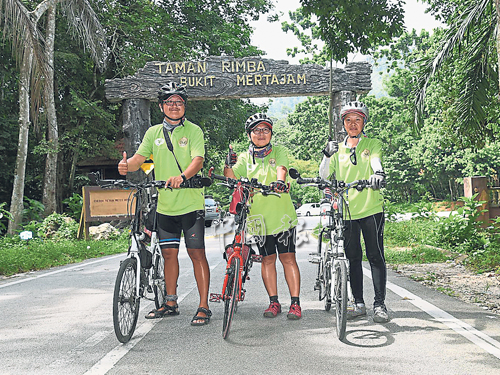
(353, 158)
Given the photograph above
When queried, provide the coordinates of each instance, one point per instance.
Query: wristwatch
(184, 179)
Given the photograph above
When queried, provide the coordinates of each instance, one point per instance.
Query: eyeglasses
(357, 121)
(354, 161)
(261, 131)
(171, 103)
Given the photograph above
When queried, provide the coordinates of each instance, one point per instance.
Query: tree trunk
(50, 179)
(16, 202)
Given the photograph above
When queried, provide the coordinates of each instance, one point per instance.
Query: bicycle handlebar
(336, 185)
(194, 182)
(251, 184)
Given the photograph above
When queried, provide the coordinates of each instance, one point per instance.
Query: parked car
(212, 211)
(308, 209)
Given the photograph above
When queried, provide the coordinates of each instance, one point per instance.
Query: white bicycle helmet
(355, 107)
(255, 120)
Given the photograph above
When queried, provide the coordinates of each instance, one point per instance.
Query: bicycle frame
(333, 271)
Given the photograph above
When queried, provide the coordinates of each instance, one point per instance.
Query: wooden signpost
(226, 77)
(104, 205)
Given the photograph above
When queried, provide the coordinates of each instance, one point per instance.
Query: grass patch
(20, 256)
(419, 254)
(409, 233)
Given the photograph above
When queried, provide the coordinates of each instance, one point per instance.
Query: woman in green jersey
(359, 158)
(269, 165)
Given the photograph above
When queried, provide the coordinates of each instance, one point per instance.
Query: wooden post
(478, 185)
(136, 120)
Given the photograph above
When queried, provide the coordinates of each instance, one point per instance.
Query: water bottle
(324, 212)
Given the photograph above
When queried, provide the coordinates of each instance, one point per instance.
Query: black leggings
(373, 234)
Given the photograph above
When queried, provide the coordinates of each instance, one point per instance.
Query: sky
(270, 38)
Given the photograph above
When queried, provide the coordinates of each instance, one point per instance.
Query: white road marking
(470, 333)
(109, 360)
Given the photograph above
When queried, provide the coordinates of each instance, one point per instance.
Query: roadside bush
(462, 232)
(74, 203)
(57, 226)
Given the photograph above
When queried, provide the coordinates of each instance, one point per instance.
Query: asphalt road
(59, 321)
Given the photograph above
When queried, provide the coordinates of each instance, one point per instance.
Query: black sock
(295, 300)
(273, 299)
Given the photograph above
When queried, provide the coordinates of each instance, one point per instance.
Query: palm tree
(36, 68)
(470, 38)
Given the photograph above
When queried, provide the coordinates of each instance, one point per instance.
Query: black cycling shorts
(283, 242)
(192, 225)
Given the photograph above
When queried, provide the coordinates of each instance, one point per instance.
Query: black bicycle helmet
(255, 120)
(355, 107)
(170, 89)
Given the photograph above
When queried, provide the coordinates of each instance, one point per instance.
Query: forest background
(431, 141)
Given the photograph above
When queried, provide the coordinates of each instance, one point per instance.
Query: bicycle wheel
(231, 295)
(159, 281)
(340, 296)
(125, 301)
(327, 284)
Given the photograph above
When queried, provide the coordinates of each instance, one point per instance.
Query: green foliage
(33, 210)
(17, 255)
(487, 259)
(467, 58)
(4, 216)
(420, 254)
(409, 233)
(74, 204)
(346, 26)
(57, 226)
(462, 231)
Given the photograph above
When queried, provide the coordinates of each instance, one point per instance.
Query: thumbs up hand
(231, 157)
(123, 165)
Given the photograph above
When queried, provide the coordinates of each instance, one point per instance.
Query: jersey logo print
(159, 141)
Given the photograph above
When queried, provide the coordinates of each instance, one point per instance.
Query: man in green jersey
(269, 165)
(178, 150)
(359, 158)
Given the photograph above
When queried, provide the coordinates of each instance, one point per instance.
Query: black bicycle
(332, 280)
(141, 274)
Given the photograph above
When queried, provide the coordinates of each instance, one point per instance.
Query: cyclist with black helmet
(269, 165)
(359, 158)
(178, 150)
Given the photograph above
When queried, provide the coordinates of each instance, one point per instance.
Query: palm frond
(19, 26)
(84, 23)
(456, 35)
(478, 84)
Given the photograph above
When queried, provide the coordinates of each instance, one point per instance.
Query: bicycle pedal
(314, 258)
(215, 297)
(242, 295)
(317, 286)
(256, 258)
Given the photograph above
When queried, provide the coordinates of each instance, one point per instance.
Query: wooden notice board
(105, 205)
